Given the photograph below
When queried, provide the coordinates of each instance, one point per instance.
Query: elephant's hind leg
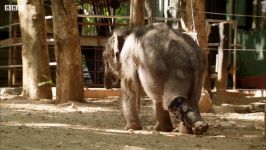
(163, 121)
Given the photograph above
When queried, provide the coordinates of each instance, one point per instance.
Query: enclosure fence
(92, 44)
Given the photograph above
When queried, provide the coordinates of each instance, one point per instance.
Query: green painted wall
(252, 63)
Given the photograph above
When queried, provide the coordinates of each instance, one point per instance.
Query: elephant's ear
(116, 44)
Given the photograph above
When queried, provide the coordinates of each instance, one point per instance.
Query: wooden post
(137, 12)
(234, 55)
(221, 82)
(199, 26)
(9, 75)
(153, 8)
(14, 56)
(265, 121)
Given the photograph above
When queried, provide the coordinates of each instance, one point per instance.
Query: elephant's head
(111, 56)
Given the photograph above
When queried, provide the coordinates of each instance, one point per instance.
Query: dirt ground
(98, 124)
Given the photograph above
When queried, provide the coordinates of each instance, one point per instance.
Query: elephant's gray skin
(168, 65)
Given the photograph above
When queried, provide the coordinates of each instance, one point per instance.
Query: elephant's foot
(163, 120)
(190, 116)
(200, 127)
(133, 126)
(164, 126)
(184, 129)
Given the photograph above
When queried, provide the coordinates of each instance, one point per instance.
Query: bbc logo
(11, 7)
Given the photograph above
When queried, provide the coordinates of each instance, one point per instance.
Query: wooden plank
(103, 24)
(96, 92)
(10, 41)
(102, 16)
(249, 93)
(84, 41)
(101, 92)
(10, 25)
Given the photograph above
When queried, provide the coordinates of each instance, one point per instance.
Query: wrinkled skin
(165, 63)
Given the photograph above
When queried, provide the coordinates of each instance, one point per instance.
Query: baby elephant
(168, 65)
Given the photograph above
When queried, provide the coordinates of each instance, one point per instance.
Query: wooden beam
(101, 92)
(10, 41)
(96, 92)
(84, 41)
(102, 24)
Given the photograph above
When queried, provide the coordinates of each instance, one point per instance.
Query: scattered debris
(250, 127)
(228, 108)
(257, 107)
(229, 124)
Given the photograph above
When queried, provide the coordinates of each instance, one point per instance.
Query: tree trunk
(200, 27)
(186, 15)
(35, 55)
(200, 22)
(69, 73)
(137, 12)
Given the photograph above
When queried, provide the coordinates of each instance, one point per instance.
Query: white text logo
(11, 7)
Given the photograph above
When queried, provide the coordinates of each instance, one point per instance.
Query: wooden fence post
(222, 73)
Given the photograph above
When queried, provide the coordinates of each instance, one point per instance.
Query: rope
(231, 49)
(193, 22)
(228, 14)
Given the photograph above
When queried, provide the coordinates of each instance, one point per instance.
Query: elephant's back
(160, 48)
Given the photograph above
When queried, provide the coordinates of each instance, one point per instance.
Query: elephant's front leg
(130, 100)
(163, 121)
